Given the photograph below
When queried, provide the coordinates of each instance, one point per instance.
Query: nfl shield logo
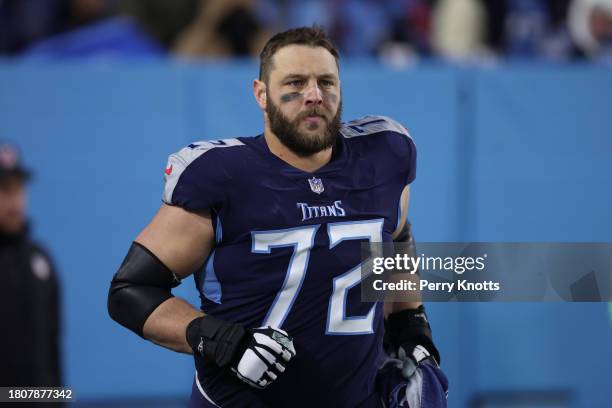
(316, 185)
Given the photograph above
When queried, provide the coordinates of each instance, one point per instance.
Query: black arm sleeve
(140, 285)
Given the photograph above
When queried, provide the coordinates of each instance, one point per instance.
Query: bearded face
(310, 132)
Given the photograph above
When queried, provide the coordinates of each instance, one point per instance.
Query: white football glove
(266, 356)
(411, 356)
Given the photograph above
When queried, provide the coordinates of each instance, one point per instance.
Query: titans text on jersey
(316, 211)
(287, 253)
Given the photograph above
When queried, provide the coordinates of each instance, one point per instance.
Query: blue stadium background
(512, 153)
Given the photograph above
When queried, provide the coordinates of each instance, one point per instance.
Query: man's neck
(308, 164)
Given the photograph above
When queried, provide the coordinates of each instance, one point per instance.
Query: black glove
(256, 356)
(408, 338)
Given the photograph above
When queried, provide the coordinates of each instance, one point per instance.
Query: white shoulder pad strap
(178, 162)
(371, 124)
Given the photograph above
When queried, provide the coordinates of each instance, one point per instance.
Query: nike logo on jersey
(317, 211)
(168, 171)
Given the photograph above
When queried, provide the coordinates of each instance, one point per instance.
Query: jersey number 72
(302, 241)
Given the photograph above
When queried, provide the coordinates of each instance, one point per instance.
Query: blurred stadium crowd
(398, 31)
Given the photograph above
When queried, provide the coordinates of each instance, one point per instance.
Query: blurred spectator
(459, 28)
(360, 26)
(23, 22)
(525, 27)
(532, 29)
(163, 20)
(223, 28)
(529, 28)
(411, 24)
(95, 31)
(29, 298)
(399, 31)
(111, 38)
(590, 23)
(408, 32)
(299, 13)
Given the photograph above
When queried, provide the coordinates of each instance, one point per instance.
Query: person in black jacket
(29, 293)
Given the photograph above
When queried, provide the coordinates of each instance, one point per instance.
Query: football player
(273, 226)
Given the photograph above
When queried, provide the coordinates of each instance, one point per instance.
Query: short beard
(299, 143)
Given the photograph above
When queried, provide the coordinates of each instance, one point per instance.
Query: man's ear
(259, 91)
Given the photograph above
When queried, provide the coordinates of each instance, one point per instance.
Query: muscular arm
(182, 240)
(407, 329)
(171, 247)
(391, 307)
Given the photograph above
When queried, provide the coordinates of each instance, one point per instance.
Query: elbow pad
(141, 284)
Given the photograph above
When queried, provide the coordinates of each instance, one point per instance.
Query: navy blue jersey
(287, 254)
